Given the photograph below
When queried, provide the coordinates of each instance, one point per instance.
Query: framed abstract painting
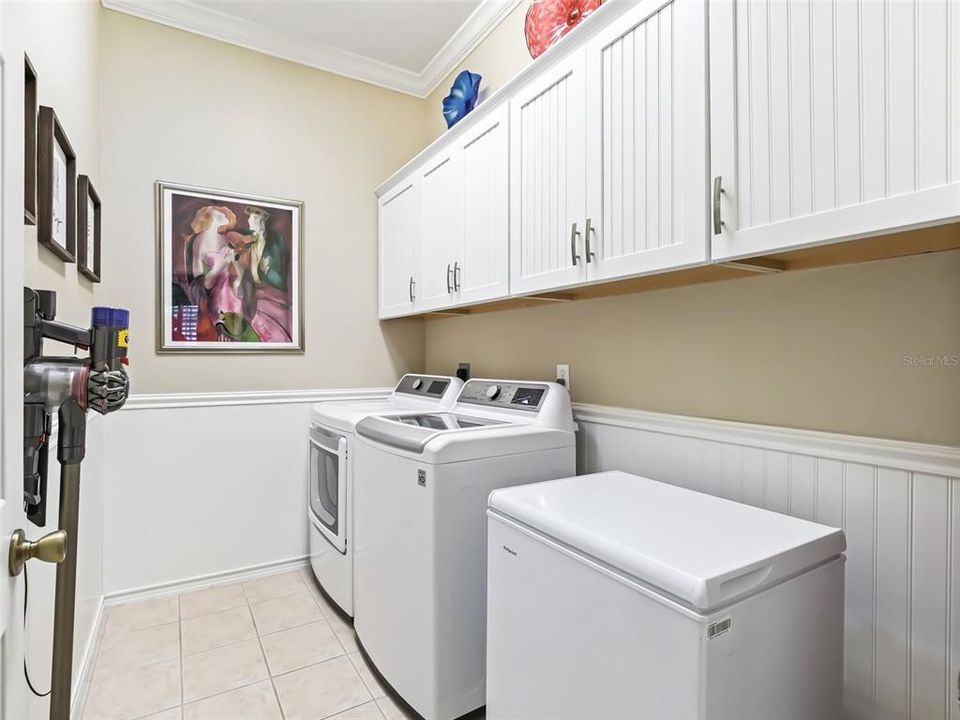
(229, 275)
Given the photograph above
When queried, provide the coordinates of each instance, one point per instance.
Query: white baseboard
(201, 581)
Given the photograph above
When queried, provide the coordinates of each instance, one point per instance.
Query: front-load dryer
(330, 513)
(421, 530)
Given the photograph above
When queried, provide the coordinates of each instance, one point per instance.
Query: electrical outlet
(563, 375)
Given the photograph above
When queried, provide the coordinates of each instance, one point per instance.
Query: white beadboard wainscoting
(899, 504)
(205, 488)
(203, 485)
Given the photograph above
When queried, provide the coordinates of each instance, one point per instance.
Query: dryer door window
(328, 468)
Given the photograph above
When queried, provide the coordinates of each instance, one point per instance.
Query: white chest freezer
(616, 596)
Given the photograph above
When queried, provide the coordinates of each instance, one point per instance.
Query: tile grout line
(345, 652)
(263, 654)
(180, 638)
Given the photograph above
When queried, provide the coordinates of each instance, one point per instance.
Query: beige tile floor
(271, 647)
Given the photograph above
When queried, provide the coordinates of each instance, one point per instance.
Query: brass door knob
(51, 548)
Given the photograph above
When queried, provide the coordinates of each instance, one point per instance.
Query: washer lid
(344, 415)
(412, 432)
(703, 550)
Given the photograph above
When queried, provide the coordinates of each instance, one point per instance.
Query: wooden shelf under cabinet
(913, 242)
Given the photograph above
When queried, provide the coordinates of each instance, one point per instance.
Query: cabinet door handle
(456, 276)
(586, 235)
(717, 192)
(411, 287)
(573, 243)
(449, 275)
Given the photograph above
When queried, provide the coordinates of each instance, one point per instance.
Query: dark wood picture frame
(87, 193)
(50, 134)
(30, 142)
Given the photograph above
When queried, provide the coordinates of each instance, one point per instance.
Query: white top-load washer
(330, 511)
(421, 530)
(615, 596)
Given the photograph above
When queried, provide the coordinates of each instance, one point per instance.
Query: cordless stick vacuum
(68, 386)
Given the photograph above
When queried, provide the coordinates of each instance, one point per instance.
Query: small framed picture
(29, 143)
(56, 187)
(88, 229)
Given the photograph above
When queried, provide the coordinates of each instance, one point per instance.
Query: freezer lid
(703, 550)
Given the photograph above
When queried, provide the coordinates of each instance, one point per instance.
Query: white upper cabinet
(399, 211)
(666, 134)
(482, 268)
(464, 218)
(441, 228)
(832, 120)
(647, 184)
(547, 178)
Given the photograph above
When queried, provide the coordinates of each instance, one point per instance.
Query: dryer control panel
(429, 386)
(495, 393)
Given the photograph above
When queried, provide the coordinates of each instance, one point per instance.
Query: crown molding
(217, 25)
(474, 30)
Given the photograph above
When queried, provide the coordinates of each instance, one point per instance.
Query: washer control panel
(423, 385)
(493, 393)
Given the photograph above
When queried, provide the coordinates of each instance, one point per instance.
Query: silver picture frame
(172, 337)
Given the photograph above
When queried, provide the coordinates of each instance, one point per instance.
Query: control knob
(417, 384)
(493, 392)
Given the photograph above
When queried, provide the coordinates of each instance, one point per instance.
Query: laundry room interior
(507, 359)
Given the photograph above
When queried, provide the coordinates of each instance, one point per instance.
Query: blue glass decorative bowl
(462, 97)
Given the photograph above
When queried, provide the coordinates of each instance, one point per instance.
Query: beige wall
(501, 55)
(63, 42)
(182, 108)
(820, 349)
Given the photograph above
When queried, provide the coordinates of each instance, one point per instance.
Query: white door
(647, 141)
(832, 120)
(441, 228)
(399, 216)
(547, 178)
(482, 269)
(12, 517)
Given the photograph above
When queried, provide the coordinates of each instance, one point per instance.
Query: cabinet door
(441, 228)
(547, 178)
(483, 267)
(399, 214)
(647, 141)
(832, 120)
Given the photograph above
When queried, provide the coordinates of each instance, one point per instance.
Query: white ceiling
(405, 45)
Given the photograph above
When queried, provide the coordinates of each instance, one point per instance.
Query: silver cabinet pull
(411, 287)
(573, 244)
(717, 192)
(456, 276)
(449, 275)
(586, 235)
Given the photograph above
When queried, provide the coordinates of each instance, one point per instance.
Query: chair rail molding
(894, 454)
(256, 397)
